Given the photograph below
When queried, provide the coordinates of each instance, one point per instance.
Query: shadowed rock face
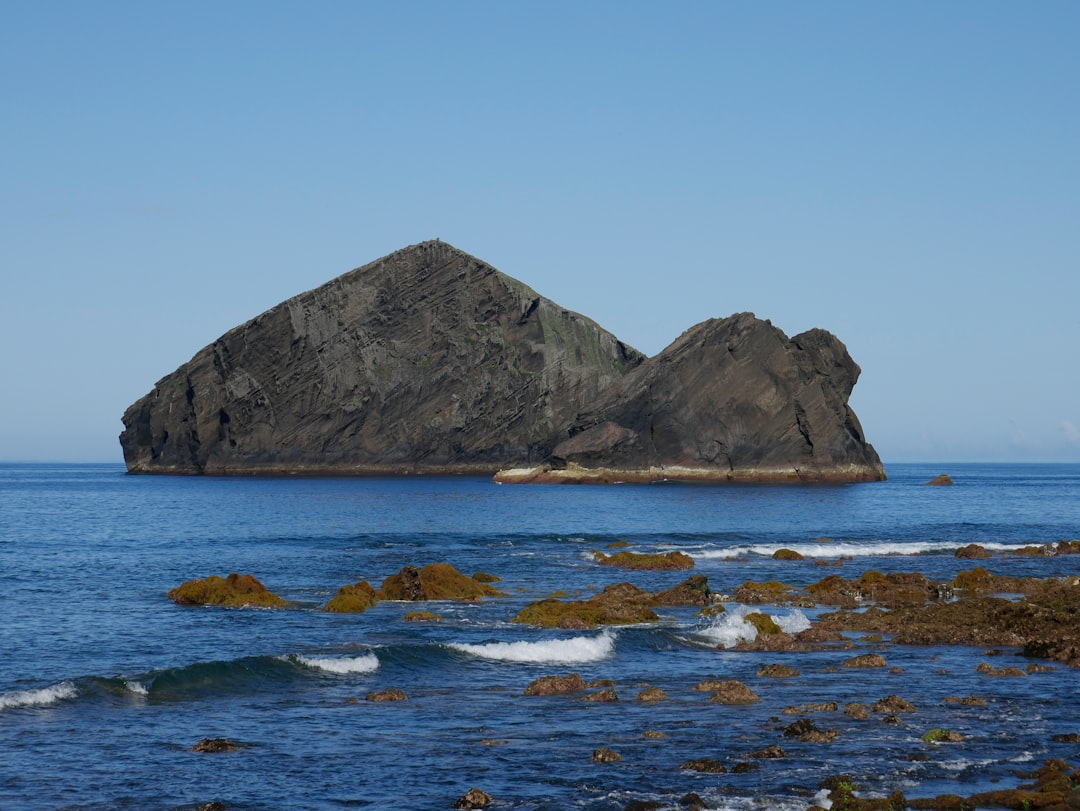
(732, 398)
(427, 360)
(431, 361)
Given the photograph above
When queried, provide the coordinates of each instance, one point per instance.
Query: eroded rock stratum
(431, 361)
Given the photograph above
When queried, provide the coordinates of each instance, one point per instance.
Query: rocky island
(430, 361)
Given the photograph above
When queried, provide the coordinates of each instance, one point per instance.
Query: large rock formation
(427, 360)
(731, 398)
(431, 361)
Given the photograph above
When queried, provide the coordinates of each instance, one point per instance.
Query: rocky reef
(431, 361)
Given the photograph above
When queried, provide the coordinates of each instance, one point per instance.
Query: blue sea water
(105, 684)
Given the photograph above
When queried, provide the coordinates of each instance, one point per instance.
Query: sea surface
(105, 684)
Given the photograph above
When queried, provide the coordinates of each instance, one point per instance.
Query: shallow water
(105, 684)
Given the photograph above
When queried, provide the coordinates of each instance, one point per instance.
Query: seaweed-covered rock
(421, 616)
(436, 581)
(729, 691)
(391, 694)
(786, 554)
(236, 590)
(603, 754)
(972, 551)
(807, 709)
(771, 591)
(808, 732)
(707, 765)
(651, 695)
(940, 735)
(777, 671)
(605, 696)
(893, 705)
(215, 745)
(554, 685)
(667, 561)
(474, 798)
(352, 599)
(691, 592)
(866, 660)
(619, 604)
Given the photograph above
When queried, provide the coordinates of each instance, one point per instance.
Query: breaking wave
(38, 698)
(731, 627)
(365, 663)
(552, 651)
(839, 549)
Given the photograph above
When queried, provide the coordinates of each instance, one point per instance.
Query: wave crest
(550, 651)
(38, 698)
(364, 663)
(839, 549)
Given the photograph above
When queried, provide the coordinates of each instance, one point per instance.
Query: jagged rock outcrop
(431, 361)
(427, 360)
(731, 399)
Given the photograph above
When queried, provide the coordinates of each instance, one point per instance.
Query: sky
(905, 175)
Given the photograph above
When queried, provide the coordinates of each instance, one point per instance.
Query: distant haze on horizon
(903, 175)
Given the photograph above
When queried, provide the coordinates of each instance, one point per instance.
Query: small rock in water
(393, 694)
(553, 685)
(605, 695)
(943, 479)
(707, 765)
(777, 671)
(215, 745)
(652, 694)
(474, 798)
(866, 660)
(605, 755)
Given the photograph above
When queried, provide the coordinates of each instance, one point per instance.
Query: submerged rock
(391, 694)
(215, 745)
(236, 591)
(777, 671)
(605, 755)
(866, 660)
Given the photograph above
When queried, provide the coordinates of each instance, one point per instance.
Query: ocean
(106, 685)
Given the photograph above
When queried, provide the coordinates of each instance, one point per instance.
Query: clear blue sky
(906, 175)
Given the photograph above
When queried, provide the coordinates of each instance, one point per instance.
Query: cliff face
(431, 361)
(731, 399)
(427, 360)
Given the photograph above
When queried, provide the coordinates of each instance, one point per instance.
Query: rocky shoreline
(876, 616)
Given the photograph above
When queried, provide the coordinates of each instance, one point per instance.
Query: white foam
(731, 628)
(364, 663)
(550, 651)
(136, 687)
(830, 549)
(793, 623)
(38, 698)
